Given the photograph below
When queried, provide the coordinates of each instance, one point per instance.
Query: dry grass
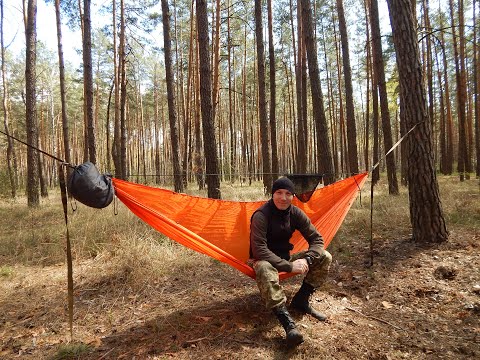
(139, 295)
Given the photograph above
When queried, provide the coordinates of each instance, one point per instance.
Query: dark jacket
(271, 230)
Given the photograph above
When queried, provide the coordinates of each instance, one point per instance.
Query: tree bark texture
(368, 74)
(476, 70)
(116, 122)
(324, 154)
(302, 143)
(209, 141)
(63, 99)
(426, 214)
(347, 72)
(31, 106)
(88, 80)
(122, 83)
(379, 70)
(11, 157)
(461, 95)
(273, 119)
(172, 113)
(262, 102)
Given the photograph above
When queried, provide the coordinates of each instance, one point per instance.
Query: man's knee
(319, 270)
(323, 261)
(268, 284)
(326, 260)
(265, 271)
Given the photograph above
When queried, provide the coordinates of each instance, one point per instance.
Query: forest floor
(140, 296)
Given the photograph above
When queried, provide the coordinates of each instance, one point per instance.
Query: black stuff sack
(91, 188)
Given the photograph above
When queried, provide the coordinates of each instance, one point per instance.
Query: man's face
(282, 199)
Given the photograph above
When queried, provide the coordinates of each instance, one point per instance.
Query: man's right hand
(300, 266)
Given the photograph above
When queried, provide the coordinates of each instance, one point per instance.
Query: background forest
(209, 97)
(136, 110)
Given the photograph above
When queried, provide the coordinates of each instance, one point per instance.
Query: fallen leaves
(387, 305)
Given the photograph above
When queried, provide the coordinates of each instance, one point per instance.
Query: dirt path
(415, 303)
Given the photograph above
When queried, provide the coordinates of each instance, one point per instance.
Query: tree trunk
(323, 143)
(379, 70)
(301, 148)
(156, 125)
(262, 106)
(342, 149)
(351, 126)
(179, 100)
(116, 122)
(461, 92)
(122, 80)
(368, 73)
(443, 120)
(189, 105)
(303, 126)
(273, 121)
(31, 106)
(66, 138)
(216, 59)
(231, 122)
(464, 133)
(429, 67)
(476, 71)
(375, 123)
(209, 141)
(11, 156)
(245, 148)
(172, 114)
(88, 80)
(108, 129)
(331, 105)
(426, 214)
(200, 177)
(449, 117)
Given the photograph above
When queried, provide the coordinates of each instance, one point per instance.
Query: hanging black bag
(89, 187)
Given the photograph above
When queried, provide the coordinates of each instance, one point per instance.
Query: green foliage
(71, 351)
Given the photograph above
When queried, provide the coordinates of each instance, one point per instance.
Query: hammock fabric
(220, 229)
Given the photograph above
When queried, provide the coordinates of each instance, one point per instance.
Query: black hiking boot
(293, 336)
(301, 302)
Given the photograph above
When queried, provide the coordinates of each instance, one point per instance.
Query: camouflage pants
(268, 280)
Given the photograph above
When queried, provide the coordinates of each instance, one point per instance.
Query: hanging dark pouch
(88, 186)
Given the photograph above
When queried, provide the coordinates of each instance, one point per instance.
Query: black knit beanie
(283, 183)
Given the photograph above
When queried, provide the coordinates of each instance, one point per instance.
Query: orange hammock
(220, 228)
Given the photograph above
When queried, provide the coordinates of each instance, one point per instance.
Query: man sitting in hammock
(271, 229)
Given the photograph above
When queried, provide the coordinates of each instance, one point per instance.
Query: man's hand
(300, 266)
